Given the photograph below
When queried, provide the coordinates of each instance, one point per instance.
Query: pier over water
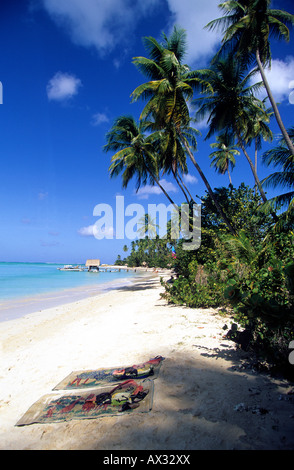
(110, 268)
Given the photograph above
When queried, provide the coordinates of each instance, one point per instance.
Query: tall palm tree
(135, 155)
(170, 88)
(247, 26)
(147, 227)
(281, 157)
(259, 131)
(172, 155)
(223, 158)
(171, 84)
(232, 104)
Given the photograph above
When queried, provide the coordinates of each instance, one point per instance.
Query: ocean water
(28, 287)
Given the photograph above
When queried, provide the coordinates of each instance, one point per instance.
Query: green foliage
(223, 158)
(282, 158)
(266, 294)
(205, 293)
(153, 252)
(252, 273)
(241, 205)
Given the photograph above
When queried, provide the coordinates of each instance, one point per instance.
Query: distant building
(92, 264)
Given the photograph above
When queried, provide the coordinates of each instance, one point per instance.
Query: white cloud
(94, 231)
(193, 16)
(291, 94)
(279, 77)
(146, 191)
(42, 195)
(99, 118)
(190, 179)
(99, 23)
(62, 86)
(87, 231)
(104, 24)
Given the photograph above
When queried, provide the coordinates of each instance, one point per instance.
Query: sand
(204, 397)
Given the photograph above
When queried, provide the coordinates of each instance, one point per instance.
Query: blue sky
(67, 73)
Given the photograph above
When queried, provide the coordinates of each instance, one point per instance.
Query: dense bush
(252, 273)
(200, 289)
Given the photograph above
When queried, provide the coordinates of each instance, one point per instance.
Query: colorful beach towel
(94, 378)
(127, 397)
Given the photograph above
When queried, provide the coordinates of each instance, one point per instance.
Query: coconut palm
(223, 158)
(258, 131)
(172, 156)
(281, 157)
(247, 26)
(168, 92)
(232, 104)
(147, 227)
(135, 154)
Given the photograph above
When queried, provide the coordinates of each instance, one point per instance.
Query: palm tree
(232, 104)
(248, 25)
(147, 227)
(168, 92)
(172, 82)
(135, 154)
(280, 156)
(172, 156)
(223, 158)
(241, 248)
(258, 130)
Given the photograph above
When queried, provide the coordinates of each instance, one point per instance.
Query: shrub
(202, 291)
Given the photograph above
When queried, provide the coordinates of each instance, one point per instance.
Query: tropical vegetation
(245, 261)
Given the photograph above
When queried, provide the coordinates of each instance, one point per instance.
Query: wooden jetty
(94, 265)
(111, 268)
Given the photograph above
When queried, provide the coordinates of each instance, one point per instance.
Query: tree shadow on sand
(202, 401)
(144, 285)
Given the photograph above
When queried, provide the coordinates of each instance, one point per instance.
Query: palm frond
(153, 48)
(240, 247)
(279, 178)
(148, 67)
(177, 43)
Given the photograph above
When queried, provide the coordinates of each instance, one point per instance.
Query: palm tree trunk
(191, 197)
(255, 155)
(219, 209)
(229, 175)
(257, 182)
(255, 162)
(274, 106)
(180, 186)
(161, 187)
(165, 193)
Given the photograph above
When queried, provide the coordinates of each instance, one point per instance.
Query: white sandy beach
(203, 397)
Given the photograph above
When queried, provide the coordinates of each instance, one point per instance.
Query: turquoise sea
(28, 287)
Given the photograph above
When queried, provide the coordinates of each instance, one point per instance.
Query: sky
(66, 72)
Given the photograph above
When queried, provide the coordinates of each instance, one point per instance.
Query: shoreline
(18, 307)
(205, 398)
